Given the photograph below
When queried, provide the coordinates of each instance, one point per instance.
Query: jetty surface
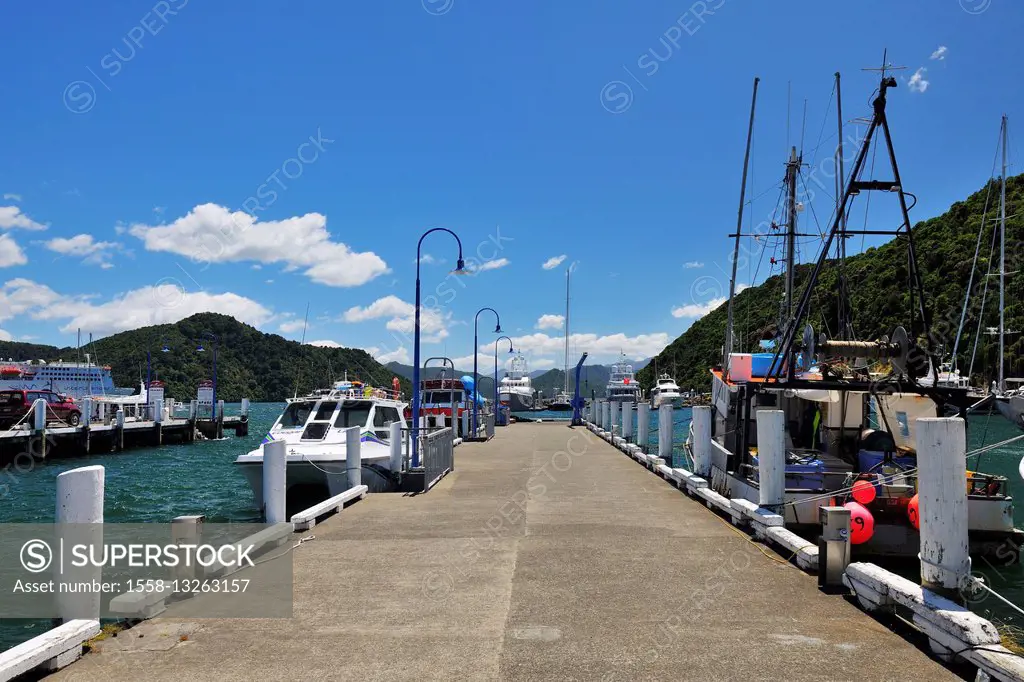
(547, 554)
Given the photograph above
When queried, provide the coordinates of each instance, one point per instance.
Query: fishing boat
(849, 405)
(666, 391)
(439, 398)
(515, 389)
(314, 428)
(622, 385)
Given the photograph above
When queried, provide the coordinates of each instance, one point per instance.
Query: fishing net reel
(840, 358)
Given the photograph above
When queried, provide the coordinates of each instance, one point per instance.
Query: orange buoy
(914, 512)
(863, 492)
(862, 523)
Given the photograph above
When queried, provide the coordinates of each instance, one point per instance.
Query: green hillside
(250, 364)
(879, 293)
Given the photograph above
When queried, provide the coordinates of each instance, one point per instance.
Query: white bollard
(220, 410)
(465, 423)
(396, 447)
(627, 424)
(79, 502)
(643, 425)
(275, 475)
(771, 458)
(599, 413)
(119, 418)
(158, 411)
(193, 408)
(39, 414)
(245, 407)
(942, 502)
(665, 432)
(614, 422)
(353, 457)
(607, 416)
(86, 411)
(702, 440)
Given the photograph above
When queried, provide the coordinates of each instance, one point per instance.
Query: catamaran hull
(329, 477)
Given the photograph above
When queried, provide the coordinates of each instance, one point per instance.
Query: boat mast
(845, 323)
(1002, 265)
(792, 166)
(727, 349)
(566, 365)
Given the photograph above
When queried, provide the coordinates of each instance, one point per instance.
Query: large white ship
(74, 379)
(515, 389)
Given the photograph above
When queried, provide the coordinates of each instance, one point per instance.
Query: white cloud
(292, 326)
(553, 262)
(550, 321)
(325, 343)
(940, 54)
(434, 322)
(12, 197)
(917, 82)
(10, 252)
(161, 304)
(6, 336)
(84, 246)
(493, 264)
(697, 310)
(428, 259)
(11, 217)
(399, 355)
(213, 234)
(690, 265)
(600, 347)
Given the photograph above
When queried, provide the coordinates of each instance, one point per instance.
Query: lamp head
(165, 349)
(460, 267)
(497, 329)
(199, 348)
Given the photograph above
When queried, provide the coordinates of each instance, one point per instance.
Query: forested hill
(250, 364)
(879, 293)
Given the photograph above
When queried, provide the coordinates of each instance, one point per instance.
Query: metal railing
(437, 452)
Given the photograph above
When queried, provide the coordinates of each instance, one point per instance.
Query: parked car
(15, 404)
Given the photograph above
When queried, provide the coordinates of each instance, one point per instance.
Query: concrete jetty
(546, 554)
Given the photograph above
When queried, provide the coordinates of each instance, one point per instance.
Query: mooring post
(613, 423)
(79, 517)
(701, 420)
(396, 447)
(353, 457)
(86, 426)
(119, 430)
(627, 424)
(643, 426)
(220, 419)
(607, 416)
(187, 530)
(465, 423)
(665, 432)
(158, 421)
(245, 408)
(942, 503)
(771, 458)
(39, 424)
(275, 469)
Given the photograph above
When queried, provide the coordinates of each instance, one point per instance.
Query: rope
(978, 582)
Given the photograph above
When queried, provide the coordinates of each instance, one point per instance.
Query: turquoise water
(144, 485)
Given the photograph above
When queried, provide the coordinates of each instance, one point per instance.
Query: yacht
(314, 427)
(666, 391)
(622, 385)
(515, 390)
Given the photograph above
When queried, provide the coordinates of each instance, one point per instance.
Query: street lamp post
(460, 268)
(510, 350)
(476, 379)
(445, 360)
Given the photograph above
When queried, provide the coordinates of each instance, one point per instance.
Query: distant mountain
(250, 364)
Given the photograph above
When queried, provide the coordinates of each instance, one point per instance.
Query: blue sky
(252, 158)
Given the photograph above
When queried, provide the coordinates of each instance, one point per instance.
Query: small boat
(438, 398)
(314, 428)
(666, 391)
(515, 390)
(622, 385)
(561, 403)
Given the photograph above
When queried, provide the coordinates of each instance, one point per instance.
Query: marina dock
(545, 554)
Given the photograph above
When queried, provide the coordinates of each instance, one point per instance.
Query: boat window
(442, 397)
(325, 411)
(353, 413)
(383, 417)
(295, 415)
(315, 431)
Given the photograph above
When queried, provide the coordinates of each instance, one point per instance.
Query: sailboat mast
(791, 169)
(844, 313)
(1002, 265)
(727, 349)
